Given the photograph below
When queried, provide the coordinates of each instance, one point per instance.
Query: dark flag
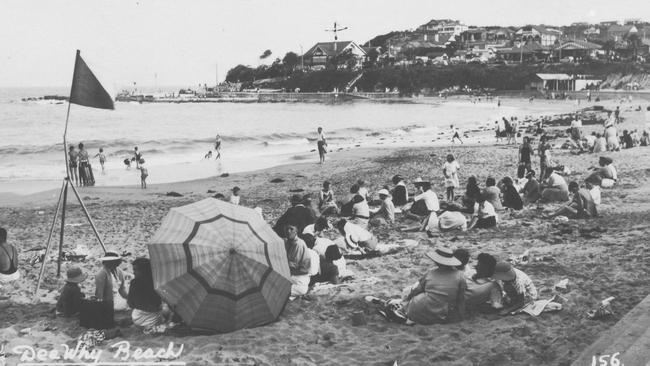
(86, 89)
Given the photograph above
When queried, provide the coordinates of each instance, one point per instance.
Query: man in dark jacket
(297, 215)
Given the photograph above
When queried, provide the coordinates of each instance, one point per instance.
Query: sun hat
(503, 271)
(444, 255)
(75, 275)
(419, 181)
(110, 256)
(383, 191)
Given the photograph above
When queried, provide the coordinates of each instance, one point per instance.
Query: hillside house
(443, 26)
(621, 32)
(546, 37)
(324, 53)
(576, 49)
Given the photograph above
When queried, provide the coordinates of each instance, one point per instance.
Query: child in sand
(450, 172)
(69, 301)
(102, 158)
(518, 289)
(326, 203)
(234, 197)
(144, 173)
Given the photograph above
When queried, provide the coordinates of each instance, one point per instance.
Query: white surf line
(103, 364)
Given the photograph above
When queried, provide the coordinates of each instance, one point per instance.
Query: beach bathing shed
(563, 82)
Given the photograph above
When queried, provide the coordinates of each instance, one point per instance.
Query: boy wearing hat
(69, 302)
(518, 288)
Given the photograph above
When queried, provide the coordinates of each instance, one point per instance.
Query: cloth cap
(503, 271)
(75, 275)
(444, 256)
(383, 191)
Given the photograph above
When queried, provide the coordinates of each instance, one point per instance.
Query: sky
(186, 43)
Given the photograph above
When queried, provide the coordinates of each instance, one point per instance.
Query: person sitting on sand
(8, 260)
(544, 153)
(235, 197)
(439, 296)
(297, 214)
(387, 210)
(142, 298)
(582, 205)
(450, 173)
(346, 208)
(480, 290)
(511, 197)
(317, 227)
(363, 190)
(645, 139)
(593, 186)
(355, 236)
(329, 253)
(69, 302)
(400, 194)
(518, 289)
(310, 205)
(484, 215)
(492, 193)
(448, 219)
(326, 202)
(299, 260)
(555, 189)
(109, 281)
(600, 145)
(531, 188)
(607, 172)
(425, 202)
(360, 211)
(472, 190)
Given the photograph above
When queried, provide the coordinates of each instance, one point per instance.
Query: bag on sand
(96, 314)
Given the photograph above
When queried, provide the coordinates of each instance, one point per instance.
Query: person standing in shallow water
(322, 145)
(217, 147)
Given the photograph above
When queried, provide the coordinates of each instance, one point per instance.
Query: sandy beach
(318, 328)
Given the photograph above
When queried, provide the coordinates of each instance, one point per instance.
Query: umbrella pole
(49, 239)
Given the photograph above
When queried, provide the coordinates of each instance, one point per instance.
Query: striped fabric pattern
(220, 266)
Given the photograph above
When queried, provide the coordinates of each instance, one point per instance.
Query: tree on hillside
(265, 54)
(239, 74)
(634, 43)
(290, 60)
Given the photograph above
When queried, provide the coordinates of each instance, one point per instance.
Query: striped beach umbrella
(220, 266)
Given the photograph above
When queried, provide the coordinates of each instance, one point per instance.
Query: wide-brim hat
(503, 271)
(444, 256)
(420, 181)
(383, 191)
(75, 275)
(110, 256)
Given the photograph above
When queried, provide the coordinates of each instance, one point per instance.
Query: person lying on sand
(555, 189)
(582, 205)
(449, 218)
(518, 289)
(481, 289)
(355, 236)
(484, 215)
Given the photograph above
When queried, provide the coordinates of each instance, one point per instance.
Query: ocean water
(174, 138)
